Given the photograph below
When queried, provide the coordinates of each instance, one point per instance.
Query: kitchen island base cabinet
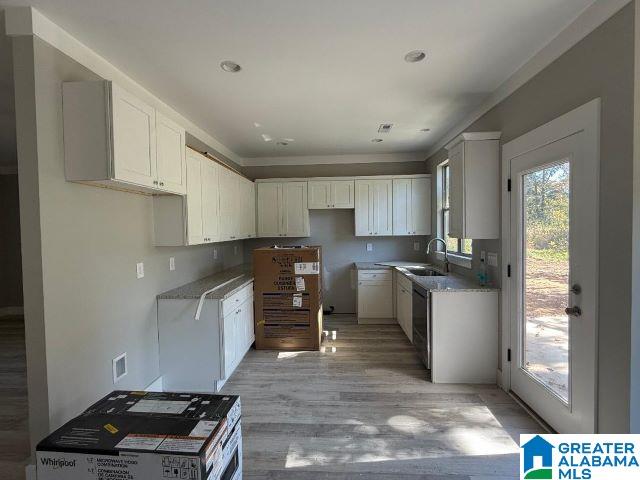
(465, 337)
(200, 355)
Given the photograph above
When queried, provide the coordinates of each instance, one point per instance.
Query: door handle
(573, 311)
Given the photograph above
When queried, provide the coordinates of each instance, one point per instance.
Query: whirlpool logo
(580, 457)
(56, 463)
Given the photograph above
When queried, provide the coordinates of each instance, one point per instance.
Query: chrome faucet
(446, 257)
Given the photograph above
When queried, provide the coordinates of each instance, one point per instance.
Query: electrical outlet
(369, 247)
(492, 259)
(416, 246)
(483, 255)
(235, 249)
(172, 263)
(140, 270)
(215, 253)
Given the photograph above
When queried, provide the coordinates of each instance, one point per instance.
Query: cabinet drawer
(375, 276)
(237, 299)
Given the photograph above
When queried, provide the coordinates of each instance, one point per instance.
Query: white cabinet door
(383, 207)
(420, 206)
(456, 191)
(195, 227)
(251, 214)
(319, 194)
(230, 342)
(269, 207)
(246, 322)
(296, 213)
(134, 139)
(230, 205)
(342, 194)
(170, 153)
(364, 208)
(210, 200)
(402, 207)
(375, 301)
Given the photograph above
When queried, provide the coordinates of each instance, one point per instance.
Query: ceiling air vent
(385, 127)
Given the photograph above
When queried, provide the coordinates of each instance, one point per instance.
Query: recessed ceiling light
(257, 125)
(425, 129)
(288, 140)
(266, 138)
(376, 140)
(283, 144)
(415, 56)
(229, 66)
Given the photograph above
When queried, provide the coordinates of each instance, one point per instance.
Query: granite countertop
(450, 282)
(197, 288)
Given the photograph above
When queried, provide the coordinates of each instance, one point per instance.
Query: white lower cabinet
(200, 355)
(375, 296)
(404, 302)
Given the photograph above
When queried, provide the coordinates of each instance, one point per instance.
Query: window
(454, 245)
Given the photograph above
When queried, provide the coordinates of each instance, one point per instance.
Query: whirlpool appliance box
(147, 436)
(288, 297)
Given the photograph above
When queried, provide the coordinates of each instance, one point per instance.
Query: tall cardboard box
(288, 298)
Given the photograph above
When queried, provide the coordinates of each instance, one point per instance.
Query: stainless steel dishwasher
(421, 302)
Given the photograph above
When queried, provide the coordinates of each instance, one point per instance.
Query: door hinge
(509, 270)
(508, 355)
(508, 185)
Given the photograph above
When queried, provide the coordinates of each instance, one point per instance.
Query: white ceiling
(325, 73)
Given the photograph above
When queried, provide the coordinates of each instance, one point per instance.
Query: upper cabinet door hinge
(508, 185)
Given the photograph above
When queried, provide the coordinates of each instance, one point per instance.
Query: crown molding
(333, 159)
(590, 19)
(27, 21)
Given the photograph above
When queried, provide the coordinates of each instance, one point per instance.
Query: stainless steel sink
(424, 272)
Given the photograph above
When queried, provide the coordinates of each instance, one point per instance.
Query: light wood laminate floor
(363, 409)
(14, 431)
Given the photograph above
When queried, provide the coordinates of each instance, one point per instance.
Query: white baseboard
(155, 386)
(11, 311)
(30, 472)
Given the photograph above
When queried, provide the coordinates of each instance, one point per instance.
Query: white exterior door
(552, 291)
(269, 209)
(210, 201)
(170, 153)
(195, 227)
(134, 139)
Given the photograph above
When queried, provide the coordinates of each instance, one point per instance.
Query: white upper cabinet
(331, 194)
(219, 205)
(282, 209)
(114, 139)
(412, 206)
(374, 207)
(170, 153)
(474, 186)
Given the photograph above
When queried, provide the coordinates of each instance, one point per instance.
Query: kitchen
(140, 228)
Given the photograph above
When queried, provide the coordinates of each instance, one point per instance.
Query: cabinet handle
(155, 182)
(162, 184)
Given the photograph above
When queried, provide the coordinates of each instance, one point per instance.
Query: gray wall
(83, 303)
(334, 230)
(601, 65)
(635, 312)
(7, 111)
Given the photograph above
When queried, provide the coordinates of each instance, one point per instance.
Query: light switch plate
(172, 263)
(369, 247)
(492, 259)
(235, 249)
(416, 246)
(140, 270)
(215, 253)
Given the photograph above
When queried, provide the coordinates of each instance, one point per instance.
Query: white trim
(11, 311)
(8, 169)
(156, 386)
(114, 363)
(21, 21)
(585, 118)
(336, 159)
(328, 179)
(590, 19)
(456, 259)
(471, 136)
